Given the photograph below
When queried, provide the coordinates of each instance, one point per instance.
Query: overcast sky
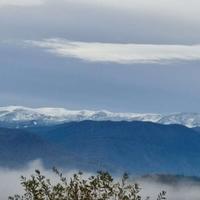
(128, 56)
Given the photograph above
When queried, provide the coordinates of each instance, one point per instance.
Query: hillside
(136, 147)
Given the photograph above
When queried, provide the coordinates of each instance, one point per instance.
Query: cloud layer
(21, 2)
(118, 52)
(168, 8)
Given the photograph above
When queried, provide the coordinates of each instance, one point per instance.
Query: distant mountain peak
(19, 115)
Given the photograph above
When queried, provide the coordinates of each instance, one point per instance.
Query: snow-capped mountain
(23, 116)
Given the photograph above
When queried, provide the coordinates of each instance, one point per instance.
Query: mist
(10, 183)
(182, 191)
(10, 178)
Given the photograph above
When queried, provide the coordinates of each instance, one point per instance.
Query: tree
(102, 186)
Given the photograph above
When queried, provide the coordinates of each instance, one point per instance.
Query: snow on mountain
(18, 115)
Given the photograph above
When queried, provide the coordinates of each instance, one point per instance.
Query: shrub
(102, 186)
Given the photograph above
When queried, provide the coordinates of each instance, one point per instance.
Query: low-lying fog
(10, 184)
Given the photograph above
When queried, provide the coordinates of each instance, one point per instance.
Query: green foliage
(99, 187)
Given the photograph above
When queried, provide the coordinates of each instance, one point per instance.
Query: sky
(124, 56)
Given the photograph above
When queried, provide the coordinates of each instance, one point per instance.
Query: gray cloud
(166, 8)
(134, 21)
(22, 3)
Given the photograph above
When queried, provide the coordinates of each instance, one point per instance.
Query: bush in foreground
(99, 187)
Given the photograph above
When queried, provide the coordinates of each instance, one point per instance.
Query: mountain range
(117, 146)
(19, 117)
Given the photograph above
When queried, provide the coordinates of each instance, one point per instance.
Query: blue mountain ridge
(136, 147)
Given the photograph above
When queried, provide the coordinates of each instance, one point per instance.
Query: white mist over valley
(182, 190)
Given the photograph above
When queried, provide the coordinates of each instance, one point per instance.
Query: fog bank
(10, 183)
